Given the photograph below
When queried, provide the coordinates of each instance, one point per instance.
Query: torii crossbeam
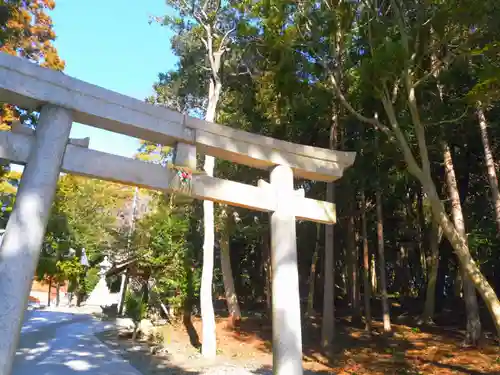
(48, 151)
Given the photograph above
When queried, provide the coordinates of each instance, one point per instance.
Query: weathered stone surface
(29, 85)
(287, 331)
(91, 163)
(25, 229)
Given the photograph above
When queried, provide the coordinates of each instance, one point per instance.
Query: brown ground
(408, 351)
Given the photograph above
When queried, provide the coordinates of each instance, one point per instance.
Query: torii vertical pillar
(25, 229)
(287, 330)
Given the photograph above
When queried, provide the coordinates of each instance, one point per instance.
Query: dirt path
(182, 359)
(247, 350)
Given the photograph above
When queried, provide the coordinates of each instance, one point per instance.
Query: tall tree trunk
(461, 249)
(373, 274)
(227, 272)
(344, 271)
(474, 329)
(366, 265)
(328, 322)
(349, 259)
(421, 233)
(490, 163)
(312, 273)
(381, 262)
(406, 248)
(145, 289)
(328, 317)
(50, 291)
(58, 289)
(458, 283)
(353, 261)
(187, 306)
(423, 174)
(209, 345)
(455, 235)
(473, 332)
(457, 240)
(473, 322)
(403, 272)
(430, 296)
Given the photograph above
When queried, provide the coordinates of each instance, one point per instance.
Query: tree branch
(327, 4)
(400, 21)
(210, 51)
(410, 160)
(247, 73)
(436, 68)
(205, 43)
(395, 91)
(204, 8)
(417, 122)
(449, 121)
(372, 121)
(222, 45)
(183, 4)
(199, 19)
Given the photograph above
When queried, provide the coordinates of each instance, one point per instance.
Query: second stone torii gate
(48, 151)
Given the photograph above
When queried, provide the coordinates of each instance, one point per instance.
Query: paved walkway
(60, 343)
(63, 343)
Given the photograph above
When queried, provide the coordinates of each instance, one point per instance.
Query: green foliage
(91, 279)
(135, 308)
(9, 181)
(278, 82)
(69, 269)
(84, 215)
(160, 243)
(47, 267)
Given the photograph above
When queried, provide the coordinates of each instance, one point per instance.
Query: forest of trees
(412, 87)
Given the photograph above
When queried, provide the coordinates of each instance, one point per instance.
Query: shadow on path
(55, 343)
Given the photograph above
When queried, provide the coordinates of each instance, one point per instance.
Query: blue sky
(110, 43)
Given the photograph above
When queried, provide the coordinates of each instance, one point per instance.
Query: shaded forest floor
(411, 350)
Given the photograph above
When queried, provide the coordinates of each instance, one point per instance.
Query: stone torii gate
(48, 151)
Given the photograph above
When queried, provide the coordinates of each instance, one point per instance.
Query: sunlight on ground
(78, 365)
(32, 354)
(38, 319)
